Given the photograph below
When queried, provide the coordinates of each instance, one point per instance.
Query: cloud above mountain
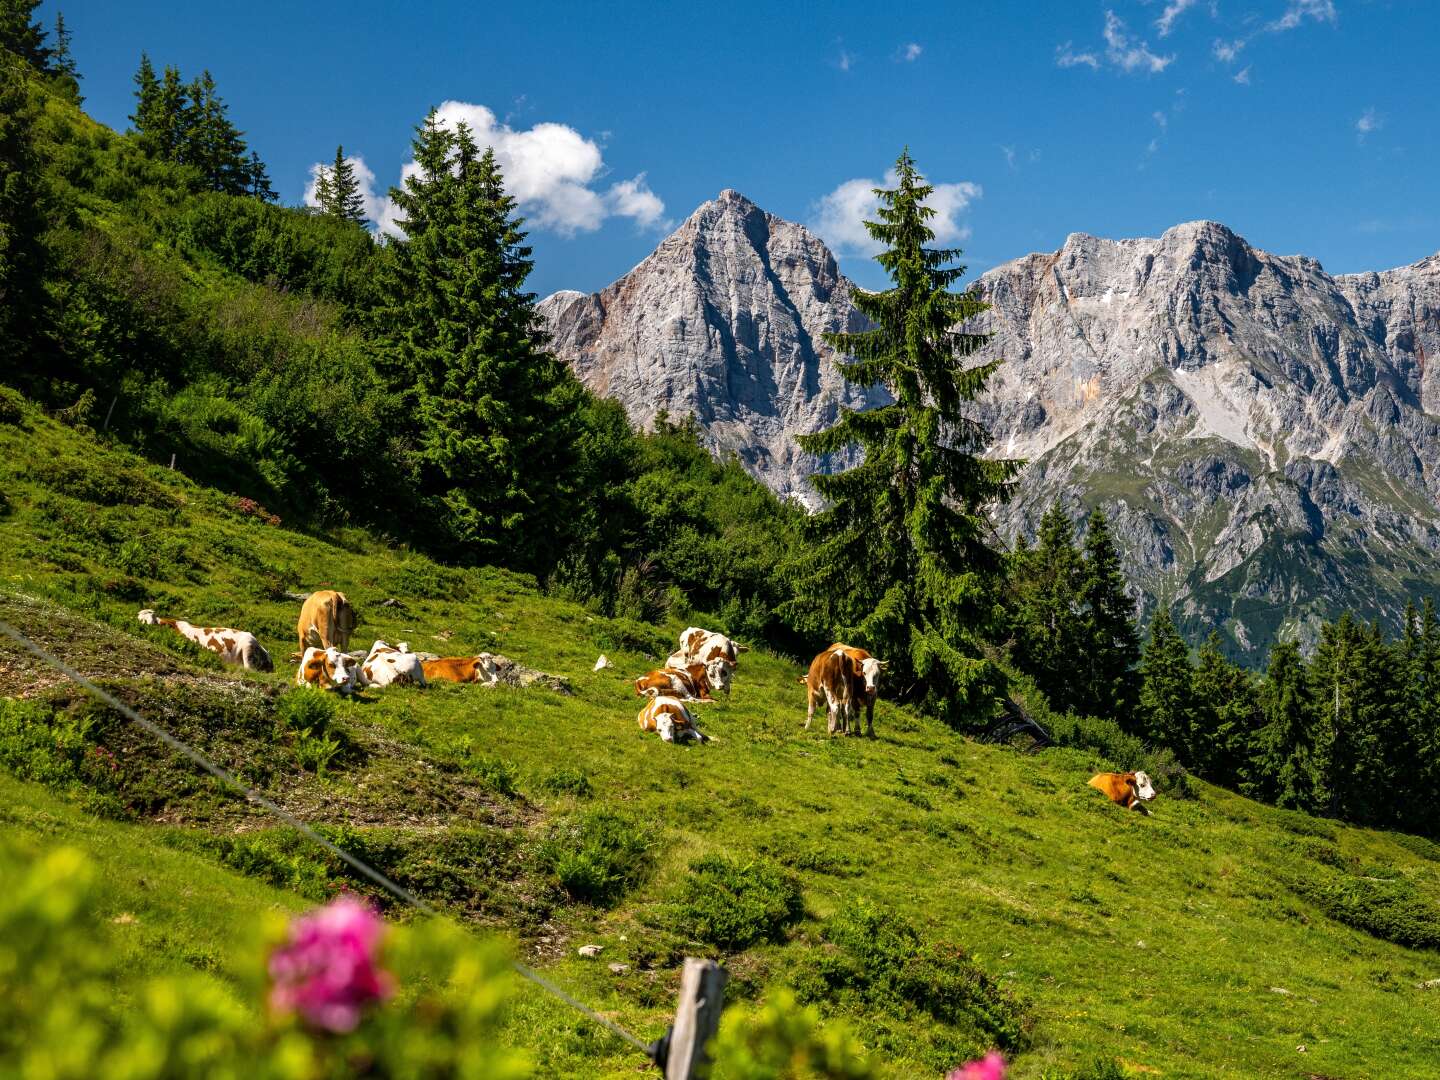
(839, 217)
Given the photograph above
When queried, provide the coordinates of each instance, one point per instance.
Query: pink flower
(991, 1067)
(327, 971)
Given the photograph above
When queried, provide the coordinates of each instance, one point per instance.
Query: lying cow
(699, 646)
(385, 666)
(462, 669)
(689, 683)
(232, 646)
(329, 669)
(668, 717)
(1131, 790)
(326, 619)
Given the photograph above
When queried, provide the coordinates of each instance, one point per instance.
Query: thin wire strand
(251, 795)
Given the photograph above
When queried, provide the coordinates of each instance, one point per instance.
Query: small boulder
(602, 663)
(590, 951)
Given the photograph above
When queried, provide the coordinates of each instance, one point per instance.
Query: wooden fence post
(697, 1017)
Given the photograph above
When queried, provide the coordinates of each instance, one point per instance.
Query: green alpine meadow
(403, 677)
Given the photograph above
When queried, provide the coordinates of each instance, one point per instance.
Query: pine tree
(65, 76)
(1285, 767)
(1110, 684)
(343, 191)
(257, 179)
(22, 34)
(22, 220)
(145, 120)
(901, 559)
(1354, 683)
(1048, 625)
(173, 118)
(1227, 716)
(1167, 691)
(494, 410)
(212, 143)
(324, 191)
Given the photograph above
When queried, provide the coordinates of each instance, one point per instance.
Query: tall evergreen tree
(324, 190)
(1109, 681)
(257, 179)
(1354, 684)
(343, 198)
(212, 143)
(22, 221)
(1285, 767)
(1227, 716)
(901, 558)
(145, 120)
(1049, 625)
(22, 34)
(495, 410)
(65, 76)
(1167, 692)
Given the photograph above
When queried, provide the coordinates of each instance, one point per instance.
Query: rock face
(1264, 437)
(724, 320)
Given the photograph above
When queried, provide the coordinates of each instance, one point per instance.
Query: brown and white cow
(1131, 790)
(329, 669)
(832, 676)
(462, 669)
(233, 646)
(385, 666)
(668, 718)
(868, 673)
(689, 683)
(326, 619)
(699, 646)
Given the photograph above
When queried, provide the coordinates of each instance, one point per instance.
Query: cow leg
(810, 712)
(870, 718)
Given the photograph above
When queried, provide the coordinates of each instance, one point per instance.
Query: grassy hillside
(937, 894)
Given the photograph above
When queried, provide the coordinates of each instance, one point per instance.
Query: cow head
(148, 618)
(343, 670)
(870, 670)
(665, 727)
(1143, 788)
(485, 663)
(719, 672)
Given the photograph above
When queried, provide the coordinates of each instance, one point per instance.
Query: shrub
(12, 406)
(309, 718)
(421, 579)
(1099, 1069)
(732, 905)
(1390, 909)
(783, 1040)
(880, 958)
(497, 774)
(567, 781)
(597, 856)
(625, 635)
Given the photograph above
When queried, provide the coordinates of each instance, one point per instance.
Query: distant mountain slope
(724, 320)
(1263, 434)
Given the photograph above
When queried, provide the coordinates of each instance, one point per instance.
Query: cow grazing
(869, 674)
(326, 619)
(1131, 790)
(329, 669)
(385, 666)
(832, 675)
(690, 683)
(668, 718)
(702, 646)
(232, 646)
(462, 669)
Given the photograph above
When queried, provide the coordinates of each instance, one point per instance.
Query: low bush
(733, 905)
(784, 1040)
(596, 857)
(1392, 909)
(421, 579)
(626, 635)
(308, 719)
(567, 781)
(12, 406)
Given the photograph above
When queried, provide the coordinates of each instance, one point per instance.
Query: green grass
(1013, 903)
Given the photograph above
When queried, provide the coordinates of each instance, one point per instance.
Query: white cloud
(1300, 10)
(1173, 10)
(839, 217)
(1243, 76)
(550, 169)
(1127, 53)
(911, 52)
(1009, 152)
(1161, 119)
(1227, 51)
(1370, 121)
(1065, 57)
(375, 205)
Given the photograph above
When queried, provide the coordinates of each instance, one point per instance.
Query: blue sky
(1309, 126)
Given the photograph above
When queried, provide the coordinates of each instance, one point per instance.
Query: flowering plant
(328, 970)
(990, 1067)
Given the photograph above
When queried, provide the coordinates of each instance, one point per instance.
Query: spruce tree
(212, 143)
(22, 34)
(494, 410)
(1354, 681)
(1049, 624)
(1285, 766)
(22, 221)
(1167, 691)
(65, 76)
(324, 191)
(257, 179)
(901, 560)
(1110, 684)
(145, 120)
(343, 191)
(1227, 716)
(173, 118)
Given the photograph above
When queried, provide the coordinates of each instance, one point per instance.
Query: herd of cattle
(843, 676)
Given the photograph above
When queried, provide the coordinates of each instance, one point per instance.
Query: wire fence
(228, 778)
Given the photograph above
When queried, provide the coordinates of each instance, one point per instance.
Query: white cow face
(487, 665)
(871, 668)
(148, 618)
(346, 669)
(1143, 788)
(665, 727)
(719, 673)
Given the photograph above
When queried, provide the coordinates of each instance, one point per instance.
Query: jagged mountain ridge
(1262, 434)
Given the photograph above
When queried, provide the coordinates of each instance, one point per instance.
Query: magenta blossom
(991, 1067)
(327, 971)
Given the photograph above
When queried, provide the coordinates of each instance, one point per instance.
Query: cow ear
(883, 663)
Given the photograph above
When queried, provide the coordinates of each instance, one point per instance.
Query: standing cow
(847, 677)
(232, 646)
(326, 620)
(869, 674)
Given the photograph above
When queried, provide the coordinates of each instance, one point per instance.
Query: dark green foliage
(567, 781)
(1228, 714)
(1048, 621)
(1285, 767)
(337, 190)
(22, 35)
(733, 905)
(597, 856)
(189, 124)
(1393, 909)
(1110, 683)
(1167, 696)
(22, 221)
(900, 560)
(879, 958)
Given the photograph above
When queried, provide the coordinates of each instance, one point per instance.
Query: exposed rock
(590, 951)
